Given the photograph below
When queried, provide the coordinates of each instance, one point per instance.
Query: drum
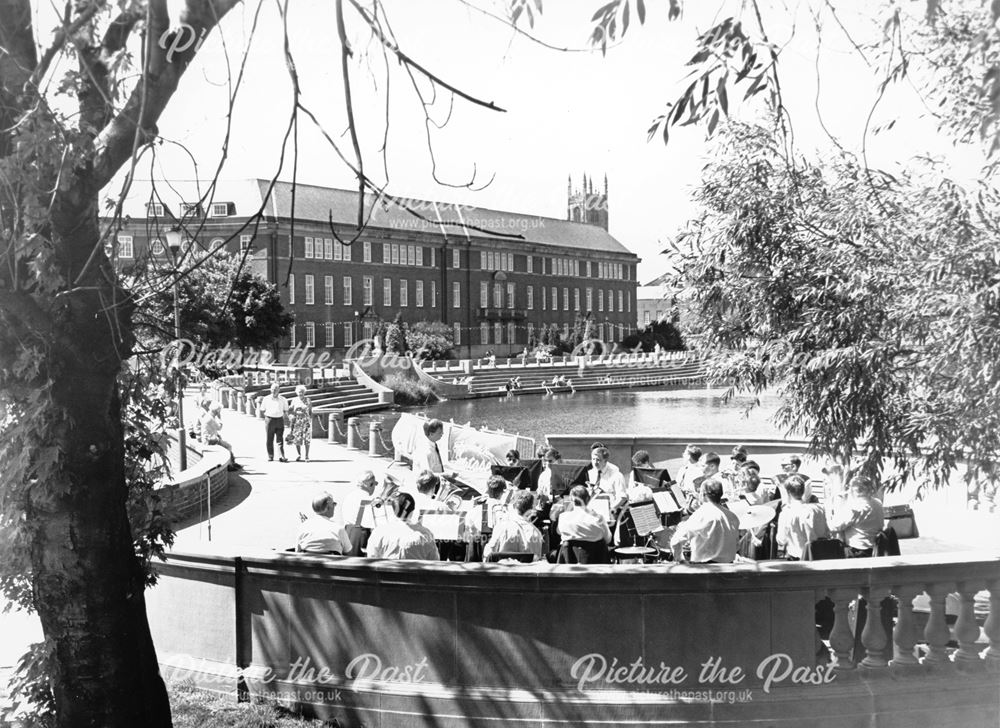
(635, 554)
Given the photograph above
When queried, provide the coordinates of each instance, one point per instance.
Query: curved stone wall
(406, 644)
(188, 491)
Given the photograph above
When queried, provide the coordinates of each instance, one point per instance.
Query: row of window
(192, 209)
(408, 255)
(496, 333)
(126, 247)
(499, 299)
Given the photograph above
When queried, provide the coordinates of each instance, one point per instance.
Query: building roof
(320, 204)
(651, 293)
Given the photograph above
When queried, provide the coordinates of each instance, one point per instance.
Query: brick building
(494, 277)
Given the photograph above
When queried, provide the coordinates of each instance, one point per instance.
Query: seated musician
(578, 522)
(748, 488)
(859, 517)
(427, 487)
(690, 470)
(495, 504)
(320, 533)
(400, 539)
(515, 533)
(799, 523)
(605, 477)
(790, 466)
(712, 531)
(638, 491)
(710, 463)
(513, 458)
(362, 491)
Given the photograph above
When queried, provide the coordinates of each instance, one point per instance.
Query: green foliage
(408, 391)
(870, 301)
(662, 333)
(431, 340)
(221, 302)
(193, 708)
(395, 336)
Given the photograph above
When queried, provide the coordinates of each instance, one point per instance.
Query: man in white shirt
(859, 517)
(319, 533)
(690, 470)
(799, 523)
(790, 465)
(514, 534)
(274, 409)
(494, 509)
(605, 477)
(428, 454)
(400, 539)
(579, 523)
(712, 531)
(362, 491)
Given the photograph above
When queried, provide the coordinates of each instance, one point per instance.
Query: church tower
(586, 204)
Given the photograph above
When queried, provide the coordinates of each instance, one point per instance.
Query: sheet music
(601, 505)
(444, 526)
(665, 502)
(679, 496)
(644, 519)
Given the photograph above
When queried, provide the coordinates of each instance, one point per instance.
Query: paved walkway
(270, 495)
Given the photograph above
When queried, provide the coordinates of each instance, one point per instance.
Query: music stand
(653, 477)
(571, 472)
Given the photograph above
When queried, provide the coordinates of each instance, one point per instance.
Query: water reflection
(695, 411)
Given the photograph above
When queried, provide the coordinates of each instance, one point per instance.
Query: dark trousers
(275, 427)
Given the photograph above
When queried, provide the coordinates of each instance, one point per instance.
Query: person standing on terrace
(274, 409)
(859, 517)
(300, 416)
(427, 455)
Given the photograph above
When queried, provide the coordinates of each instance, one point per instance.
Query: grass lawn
(193, 708)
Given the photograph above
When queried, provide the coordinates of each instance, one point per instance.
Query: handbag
(289, 438)
(901, 519)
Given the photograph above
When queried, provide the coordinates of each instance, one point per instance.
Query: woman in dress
(300, 412)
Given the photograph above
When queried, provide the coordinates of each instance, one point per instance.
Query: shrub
(409, 392)
(431, 340)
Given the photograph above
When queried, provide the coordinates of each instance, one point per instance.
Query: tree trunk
(88, 582)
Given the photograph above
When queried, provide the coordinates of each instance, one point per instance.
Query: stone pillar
(904, 634)
(936, 633)
(334, 422)
(873, 636)
(992, 628)
(841, 636)
(966, 630)
(375, 447)
(354, 433)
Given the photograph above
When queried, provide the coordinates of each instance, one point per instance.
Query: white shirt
(859, 519)
(496, 513)
(611, 481)
(321, 535)
(401, 540)
(352, 503)
(713, 533)
(798, 524)
(517, 535)
(428, 457)
(687, 475)
(639, 493)
(580, 523)
(273, 406)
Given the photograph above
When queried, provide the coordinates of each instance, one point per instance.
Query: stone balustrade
(368, 642)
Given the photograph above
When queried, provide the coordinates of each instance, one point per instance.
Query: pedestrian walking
(274, 408)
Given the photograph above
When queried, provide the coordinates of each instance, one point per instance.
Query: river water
(677, 411)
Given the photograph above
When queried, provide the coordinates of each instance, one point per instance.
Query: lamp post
(357, 327)
(174, 245)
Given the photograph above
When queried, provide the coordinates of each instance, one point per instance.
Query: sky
(567, 113)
